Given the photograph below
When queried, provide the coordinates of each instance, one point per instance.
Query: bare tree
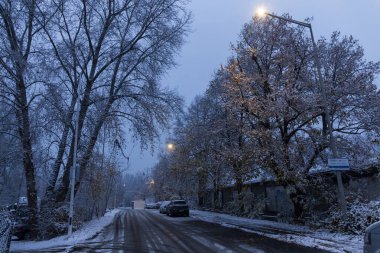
(116, 51)
(110, 54)
(18, 28)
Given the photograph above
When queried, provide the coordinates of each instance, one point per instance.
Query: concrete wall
(274, 198)
(367, 187)
(278, 201)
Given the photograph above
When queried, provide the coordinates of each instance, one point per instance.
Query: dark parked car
(21, 229)
(152, 206)
(177, 207)
(163, 206)
(20, 221)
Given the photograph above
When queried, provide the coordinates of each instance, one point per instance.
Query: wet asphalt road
(141, 231)
(148, 231)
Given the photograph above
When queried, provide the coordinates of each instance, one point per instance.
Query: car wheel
(23, 236)
(20, 236)
(27, 236)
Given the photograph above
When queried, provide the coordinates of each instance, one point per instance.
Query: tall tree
(18, 29)
(110, 54)
(273, 79)
(116, 52)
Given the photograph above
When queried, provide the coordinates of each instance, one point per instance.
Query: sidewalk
(301, 235)
(62, 243)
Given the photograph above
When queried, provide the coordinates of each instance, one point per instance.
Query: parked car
(151, 206)
(177, 207)
(372, 238)
(163, 206)
(21, 228)
(20, 218)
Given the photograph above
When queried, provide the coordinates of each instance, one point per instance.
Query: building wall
(366, 187)
(273, 198)
(278, 201)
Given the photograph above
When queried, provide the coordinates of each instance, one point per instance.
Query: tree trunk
(19, 54)
(61, 150)
(297, 199)
(239, 189)
(22, 114)
(61, 192)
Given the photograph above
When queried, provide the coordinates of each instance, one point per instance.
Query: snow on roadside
(300, 235)
(87, 231)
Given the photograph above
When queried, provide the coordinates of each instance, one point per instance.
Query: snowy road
(149, 231)
(141, 231)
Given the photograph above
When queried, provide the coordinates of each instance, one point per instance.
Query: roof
(364, 170)
(257, 177)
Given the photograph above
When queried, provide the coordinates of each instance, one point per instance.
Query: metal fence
(5, 232)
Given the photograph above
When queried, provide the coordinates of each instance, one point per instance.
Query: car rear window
(179, 202)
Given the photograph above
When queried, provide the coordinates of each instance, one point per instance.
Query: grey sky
(217, 24)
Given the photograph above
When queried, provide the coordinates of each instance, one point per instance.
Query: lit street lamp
(170, 147)
(261, 12)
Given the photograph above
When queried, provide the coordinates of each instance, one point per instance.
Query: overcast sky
(217, 23)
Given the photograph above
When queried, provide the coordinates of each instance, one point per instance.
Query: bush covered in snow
(5, 231)
(247, 205)
(358, 217)
(53, 222)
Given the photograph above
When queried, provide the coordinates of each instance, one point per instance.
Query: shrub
(358, 217)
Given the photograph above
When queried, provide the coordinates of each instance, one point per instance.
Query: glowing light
(261, 11)
(170, 146)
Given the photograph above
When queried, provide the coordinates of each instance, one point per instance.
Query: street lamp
(261, 12)
(170, 147)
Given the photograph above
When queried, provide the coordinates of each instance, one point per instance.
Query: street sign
(338, 164)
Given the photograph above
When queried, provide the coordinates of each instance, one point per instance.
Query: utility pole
(329, 121)
(74, 167)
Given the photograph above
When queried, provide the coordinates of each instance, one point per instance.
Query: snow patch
(87, 231)
(301, 235)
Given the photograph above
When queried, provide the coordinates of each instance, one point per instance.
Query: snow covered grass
(358, 217)
(301, 235)
(87, 231)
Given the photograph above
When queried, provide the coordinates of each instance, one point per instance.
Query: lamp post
(74, 167)
(261, 12)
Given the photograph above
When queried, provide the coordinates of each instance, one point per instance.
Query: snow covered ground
(301, 235)
(89, 230)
